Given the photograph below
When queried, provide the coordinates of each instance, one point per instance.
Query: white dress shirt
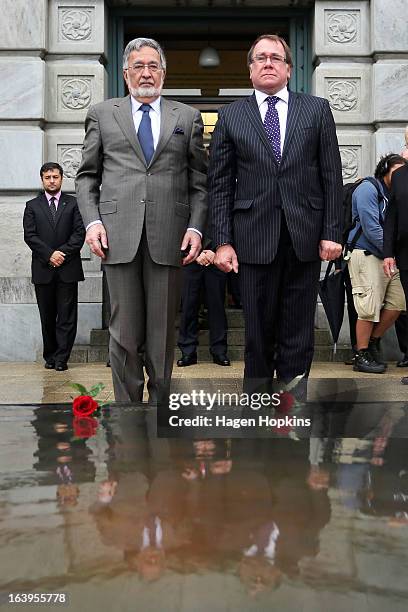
(281, 107)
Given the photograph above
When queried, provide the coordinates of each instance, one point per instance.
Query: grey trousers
(144, 299)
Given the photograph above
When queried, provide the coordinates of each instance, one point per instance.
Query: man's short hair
(51, 166)
(138, 43)
(275, 38)
(386, 163)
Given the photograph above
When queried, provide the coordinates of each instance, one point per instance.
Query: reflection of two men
(216, 510)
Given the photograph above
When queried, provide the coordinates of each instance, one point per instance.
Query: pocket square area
(178, 130)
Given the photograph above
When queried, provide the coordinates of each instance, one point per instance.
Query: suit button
(149, 174)
(143, 201)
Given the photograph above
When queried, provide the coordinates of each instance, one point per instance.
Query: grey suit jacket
(248, 189)
(115, 184)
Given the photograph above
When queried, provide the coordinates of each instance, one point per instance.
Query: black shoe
(403, 363)
(375, 350)
(404, 380)
(187, 360)
(352, 359)
(49, 365)
(365, 362)
(221, 360)
(60, 367)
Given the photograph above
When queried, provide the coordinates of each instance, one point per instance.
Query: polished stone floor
(22, 383)
(307, 520)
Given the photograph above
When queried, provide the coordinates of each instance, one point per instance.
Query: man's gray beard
(145, 92)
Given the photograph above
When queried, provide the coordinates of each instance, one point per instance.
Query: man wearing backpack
(378, 299)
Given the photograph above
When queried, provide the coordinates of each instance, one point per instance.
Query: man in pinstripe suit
(275, 193)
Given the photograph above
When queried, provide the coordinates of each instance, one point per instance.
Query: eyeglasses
(275, 59)
(151, 66)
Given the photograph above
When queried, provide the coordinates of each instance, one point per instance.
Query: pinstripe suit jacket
(248, 189)
(115, 184)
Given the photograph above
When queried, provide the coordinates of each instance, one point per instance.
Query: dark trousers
(58, 306)
(279, 303)
(144, 297)
(401, 324)
(213, 280)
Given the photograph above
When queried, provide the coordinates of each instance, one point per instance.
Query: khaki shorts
(372, 290)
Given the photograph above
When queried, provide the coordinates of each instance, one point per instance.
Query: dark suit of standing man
(275, 194)
(54, 231)
(141, 189)
(396, 239)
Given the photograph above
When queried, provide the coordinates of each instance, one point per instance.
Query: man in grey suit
(275, 196)
(141, 190)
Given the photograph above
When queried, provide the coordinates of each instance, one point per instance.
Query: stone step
(236, 337)
(96, 354)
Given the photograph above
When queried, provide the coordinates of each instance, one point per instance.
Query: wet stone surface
(119, 519)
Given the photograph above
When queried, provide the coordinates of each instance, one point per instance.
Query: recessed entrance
(185, 33)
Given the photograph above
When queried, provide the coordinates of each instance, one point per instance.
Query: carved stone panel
(350, 162)
(356, 153)
(347, 87)
(72, 89)
(342, 28)
(74, 93)
(344, 94)
(69, 156)
(76, 24)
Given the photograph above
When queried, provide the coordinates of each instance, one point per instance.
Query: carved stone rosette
(343, 94)
(349, 162)
(69, 156)
(75, 24)
(342, 27)
(76, 93)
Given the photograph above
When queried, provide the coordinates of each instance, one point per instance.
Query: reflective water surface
(119, 519)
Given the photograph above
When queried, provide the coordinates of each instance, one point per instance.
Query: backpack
(348, 222)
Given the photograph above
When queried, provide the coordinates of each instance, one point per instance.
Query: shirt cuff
(193, 229)
(93, 223)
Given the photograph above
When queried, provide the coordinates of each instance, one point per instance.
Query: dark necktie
(272, 126)
(145, 134)
(53, 208)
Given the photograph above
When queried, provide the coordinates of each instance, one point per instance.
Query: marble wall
(51, 70)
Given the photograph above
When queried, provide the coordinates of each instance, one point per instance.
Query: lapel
(294, 106)
(169, 114)
(122, 112)
(254, 115)
(61, 206)
(45, 207)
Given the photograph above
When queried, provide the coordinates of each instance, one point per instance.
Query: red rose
(286, 401)
(84, 405)
(84, 427)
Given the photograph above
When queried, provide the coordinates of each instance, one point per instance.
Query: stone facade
(52, 70)
(52, 57)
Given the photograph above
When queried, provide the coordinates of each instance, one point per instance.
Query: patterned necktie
(145, 133)
(272, 126)
(53, 208)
